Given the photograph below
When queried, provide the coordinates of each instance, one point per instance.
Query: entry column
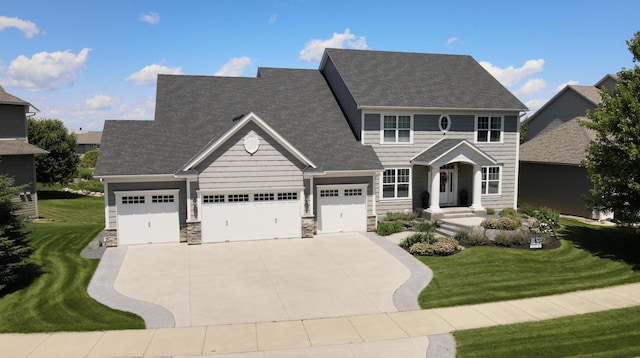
(476, 203)
(434, 204)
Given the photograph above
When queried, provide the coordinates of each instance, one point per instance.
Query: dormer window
(396, 128)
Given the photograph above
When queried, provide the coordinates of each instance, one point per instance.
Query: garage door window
(287, 196)
(353, 192)
(237, 198)
(133, 199)
(162, 199)
(208, 199)
(329, 192)
(264, 197)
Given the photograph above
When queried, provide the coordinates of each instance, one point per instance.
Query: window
(353, 192)
(162, 199)
(396, 129)
(264, 197)
(444, 123)
(237, 198)
(133, 199)
(489, 129)
(395, 183)
(208, 199)
(328, 192)
(491, 180)
(287, 196)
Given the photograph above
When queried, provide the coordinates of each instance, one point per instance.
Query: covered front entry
(145, 217)
(342, 208)
(443, 160)
(250, 216)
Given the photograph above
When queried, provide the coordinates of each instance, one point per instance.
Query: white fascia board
(139, 178)
(440, 110)
(121, 193)
(350, 173)
(250, 117)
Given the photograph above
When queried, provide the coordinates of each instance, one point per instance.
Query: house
(87, 140)
(291, 152)
(16, 154)
(551, 173)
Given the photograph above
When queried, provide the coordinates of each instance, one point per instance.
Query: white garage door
(342, 208)
(250, 216)
(148, 217)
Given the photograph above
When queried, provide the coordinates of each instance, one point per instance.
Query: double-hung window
(395, 183)
(490, 180)
(489, 129)
(396, 129)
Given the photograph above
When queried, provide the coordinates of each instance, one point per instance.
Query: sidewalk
(404, 334)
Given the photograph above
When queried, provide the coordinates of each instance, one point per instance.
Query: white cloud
(150, 18)
(312, 51)
(26, 26)
(534, 105)
(273, 19)
(451, 41)
(563, 85)
(149, 74)
(234, 67)
(45, 70)
(99, 101)
(512, 75)
(532, 86)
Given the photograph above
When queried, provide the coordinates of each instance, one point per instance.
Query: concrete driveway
(268, 280)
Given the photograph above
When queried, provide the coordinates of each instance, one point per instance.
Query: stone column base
(309, 226)
(194, 234)
(372, 223)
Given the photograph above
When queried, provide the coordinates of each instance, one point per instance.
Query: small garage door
(342, 208)
(148, 217)
(250, 216)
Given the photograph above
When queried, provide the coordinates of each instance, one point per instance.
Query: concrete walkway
(395, 334)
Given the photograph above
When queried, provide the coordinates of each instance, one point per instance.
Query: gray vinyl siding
(12, 121)
(345, 100)
(29, 208)
(232, 167)
(426, 133)
(21, 168)
(560, 187)
(566, 107)
(113, 187)
(346, 180)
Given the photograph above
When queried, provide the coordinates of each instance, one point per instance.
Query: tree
(524, 130)
(613, 158)
(14, 248)
(90, 158)
(60, 165)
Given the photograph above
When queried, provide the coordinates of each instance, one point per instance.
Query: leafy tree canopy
(613, 159)
(90, 158)
(60, 165)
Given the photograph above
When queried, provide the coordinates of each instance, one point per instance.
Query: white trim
(446, 129)
(464, 141)
(500, 175)
(139, 178)
(107, 222)
(205, 152)
(438, 110)
(121, 193)
(396, 114)
(475, 129)
(349, 173)
(361, 127)
(201, 192)
(395, 198)
(516, 185)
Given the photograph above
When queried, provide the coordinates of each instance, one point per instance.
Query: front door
(448, 185)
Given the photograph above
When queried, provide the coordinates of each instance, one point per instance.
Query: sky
(84, 62)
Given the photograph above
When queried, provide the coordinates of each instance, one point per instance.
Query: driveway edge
(101, 289)
(405, 298)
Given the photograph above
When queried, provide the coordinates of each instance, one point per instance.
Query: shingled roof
(192, 111)
(19, 147)
(418, 80)
(564, 144)
(7, 98)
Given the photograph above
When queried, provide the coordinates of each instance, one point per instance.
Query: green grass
(589, 257)
(614, 333)
(57, 299)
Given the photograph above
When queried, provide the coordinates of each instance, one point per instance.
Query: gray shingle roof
(19, 147)
(400, 79)
(9, 98)
(591, 93)
(564, 144)
(88, 137)
(191, 111)
(441, 148)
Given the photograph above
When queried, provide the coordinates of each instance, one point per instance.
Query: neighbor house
(16, 154)
(292, 152)
(87, 140)
(551, 173)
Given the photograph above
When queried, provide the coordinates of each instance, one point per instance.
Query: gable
(566, 105)
(448, 151)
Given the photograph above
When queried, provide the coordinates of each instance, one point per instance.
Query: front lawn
(614, 333)
(589, 257)
(57, 299)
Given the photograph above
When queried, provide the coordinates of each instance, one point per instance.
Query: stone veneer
(194, 236)
(308, 226)
(372, 222)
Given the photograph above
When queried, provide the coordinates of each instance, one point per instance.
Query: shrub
(90, 185)
(421, 249)
(444, 246)
(90, 158)
(503, 223)
(526, 209)
(519, 239)
(547, 217)
(426, 226)
(393, 216)
(85, 173)
(426, 237)
(477, 239)
(503, 239)
(462, 235)
(508, 212)
(491, 211)
(386, 228)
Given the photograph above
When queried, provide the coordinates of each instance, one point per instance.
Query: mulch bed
(548, 244)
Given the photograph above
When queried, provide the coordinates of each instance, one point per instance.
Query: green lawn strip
(589, 257)
(57, 299)
(614, 333)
